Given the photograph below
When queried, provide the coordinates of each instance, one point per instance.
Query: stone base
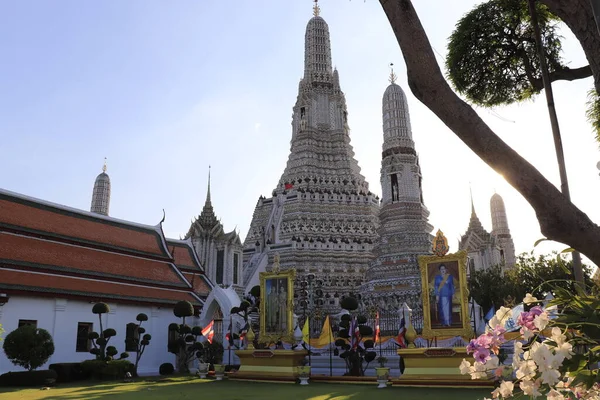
(436, 367)
(276, 365)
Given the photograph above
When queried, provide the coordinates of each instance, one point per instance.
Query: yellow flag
(326, 336)
(305, 332)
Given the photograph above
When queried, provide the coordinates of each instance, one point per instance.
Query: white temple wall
(60, 318)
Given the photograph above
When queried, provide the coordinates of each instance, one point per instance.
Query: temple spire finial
(208, 191)
(104, 166)
(393, 75)
(316, 9)
(472, 203)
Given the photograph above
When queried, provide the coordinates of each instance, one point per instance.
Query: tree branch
(559, 219)
(569, 74)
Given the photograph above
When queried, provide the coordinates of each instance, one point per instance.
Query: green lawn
(193, 389)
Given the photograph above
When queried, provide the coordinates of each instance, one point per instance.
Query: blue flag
(490, 314)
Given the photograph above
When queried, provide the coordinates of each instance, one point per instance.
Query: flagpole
(231, 335)
(379, 329)
(330, 352)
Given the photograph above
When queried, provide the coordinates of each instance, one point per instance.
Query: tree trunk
(579, 17)
(559, 219)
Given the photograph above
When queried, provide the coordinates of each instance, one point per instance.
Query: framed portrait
(276, 306)
(445, 295)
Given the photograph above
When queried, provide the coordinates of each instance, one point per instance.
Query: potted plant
(383, 372)
(303, 372)
(203, 365)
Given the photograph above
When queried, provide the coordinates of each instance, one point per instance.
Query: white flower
(506, 388)
(530, 388)
(550, 376)
(500, 318)
(529, 299)
(557, 336)
(465, 367)
(478, 371)
(541, 321)
(526, 370)
(554, 395)
(565, 350)
(527, 333)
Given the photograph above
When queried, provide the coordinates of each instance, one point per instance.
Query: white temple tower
(101, 193)
(321, 218)
(404, 232)
(501, 231)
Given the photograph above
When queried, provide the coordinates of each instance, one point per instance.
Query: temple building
(489, 249)
(57, 261)
(404, 232)
(220, 253)
(101, 193)
(321, 217)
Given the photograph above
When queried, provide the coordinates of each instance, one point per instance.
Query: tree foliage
(492, 57)
(28, 347)
(535, 275)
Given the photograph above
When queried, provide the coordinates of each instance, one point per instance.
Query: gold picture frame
(277, 314)
(445, 295)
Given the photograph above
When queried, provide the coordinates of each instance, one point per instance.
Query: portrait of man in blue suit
(444, 291)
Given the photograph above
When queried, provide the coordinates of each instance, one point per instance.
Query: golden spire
(104, 166)
(393, 76)
(316, 9)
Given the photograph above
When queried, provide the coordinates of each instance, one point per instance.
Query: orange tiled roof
(198, 282)
(28, 214)
(45, 254)
(183, 254)
(12, 280)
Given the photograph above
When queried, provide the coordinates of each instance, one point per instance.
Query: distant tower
(101, 194)
(501, 232)
(394, 278)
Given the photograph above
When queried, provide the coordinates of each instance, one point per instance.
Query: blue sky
(163, 89)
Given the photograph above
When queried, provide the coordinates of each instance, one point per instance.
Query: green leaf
(539, 241)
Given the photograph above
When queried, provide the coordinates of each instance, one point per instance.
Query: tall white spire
(317, 49)
(101, 193)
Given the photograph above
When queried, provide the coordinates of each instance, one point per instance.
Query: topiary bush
(185, 345)
(140, 341)
(28, 347)
(100, 340)
(166, 369)
(100, 369)
(43, 377)
(69, 372)
(354, 351)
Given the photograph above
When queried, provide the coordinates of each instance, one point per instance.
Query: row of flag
(326, 336)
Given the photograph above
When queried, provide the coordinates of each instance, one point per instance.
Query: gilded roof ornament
(393, 75)
(316, 9)
(104, 166)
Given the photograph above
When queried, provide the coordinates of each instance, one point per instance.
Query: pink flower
(482, 355)
(472, 346)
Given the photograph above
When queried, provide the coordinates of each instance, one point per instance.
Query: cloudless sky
(165, 88)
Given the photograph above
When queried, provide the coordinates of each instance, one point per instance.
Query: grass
(193, 388)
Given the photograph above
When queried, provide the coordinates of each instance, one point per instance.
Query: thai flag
(229, 336)
(377, 330)
(209, 331)
(401, 332)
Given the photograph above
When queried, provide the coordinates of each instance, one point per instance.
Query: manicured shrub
(28, 347)
(99, 369)
(69, 372)
(43, 377)
(166, 369)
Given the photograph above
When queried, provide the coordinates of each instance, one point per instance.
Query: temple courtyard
(190, 387)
